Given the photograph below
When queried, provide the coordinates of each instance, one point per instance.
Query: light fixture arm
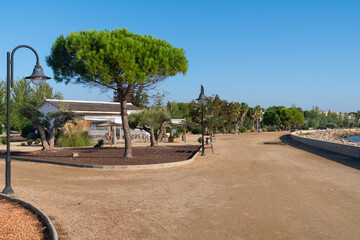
(11, 62)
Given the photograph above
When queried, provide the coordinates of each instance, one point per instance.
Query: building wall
(47, 107)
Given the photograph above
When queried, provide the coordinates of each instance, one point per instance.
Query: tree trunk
(44, 141)
(125, 123)
(242, 120)
(257, 124)
(160, 132)
(153, 141)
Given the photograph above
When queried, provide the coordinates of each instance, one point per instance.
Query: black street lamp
(202, 101)
(36, 77)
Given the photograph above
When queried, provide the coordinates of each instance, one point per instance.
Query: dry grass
(78, 126)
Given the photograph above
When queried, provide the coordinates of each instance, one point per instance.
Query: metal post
(203, 132)
(36, 75)
(8, 189)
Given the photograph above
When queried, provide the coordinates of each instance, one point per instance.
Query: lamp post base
(8, 190)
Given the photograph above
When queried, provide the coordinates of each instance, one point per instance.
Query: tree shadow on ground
(339, 158)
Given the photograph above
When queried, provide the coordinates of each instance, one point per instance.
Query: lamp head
(202, 99)
(38, 77)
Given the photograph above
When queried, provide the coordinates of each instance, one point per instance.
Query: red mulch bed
(113, 156)
(19, 223)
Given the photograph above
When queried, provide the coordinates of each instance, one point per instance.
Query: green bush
(243, 129)
(32, 136)
(22, 144)
(4, 141)
(37, 141)
(252, 130)
(200, 139)
(29, 142)
(74, 139)
(25, 131)
(196, 130)
(58, 134)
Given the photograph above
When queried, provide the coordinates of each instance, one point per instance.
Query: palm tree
(252, 115)
(243, 109)
(258, 115)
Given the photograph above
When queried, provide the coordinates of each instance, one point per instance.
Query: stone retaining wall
(348, 150)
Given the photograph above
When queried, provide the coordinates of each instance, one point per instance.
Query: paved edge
(115, 167)
(347, 150)
(46, 220)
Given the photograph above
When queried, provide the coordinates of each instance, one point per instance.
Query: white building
(95, 113)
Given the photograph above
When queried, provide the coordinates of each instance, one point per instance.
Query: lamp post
(37, 77)
(202, 101)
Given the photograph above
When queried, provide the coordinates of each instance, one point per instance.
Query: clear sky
(269, 52)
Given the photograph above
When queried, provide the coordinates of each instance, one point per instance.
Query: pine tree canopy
(109, 58)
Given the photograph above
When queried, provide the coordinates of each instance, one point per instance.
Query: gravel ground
(16, 223)
(246, 190)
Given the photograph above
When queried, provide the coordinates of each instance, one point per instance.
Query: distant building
(95, 113)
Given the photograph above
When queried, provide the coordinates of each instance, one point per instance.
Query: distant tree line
(232, 117)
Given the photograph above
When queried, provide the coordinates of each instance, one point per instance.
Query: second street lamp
(202, 101)
(35, 77)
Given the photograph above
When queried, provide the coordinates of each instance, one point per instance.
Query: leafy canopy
(109, 58)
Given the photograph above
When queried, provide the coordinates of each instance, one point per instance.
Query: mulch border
(114, 167)
(42, 216)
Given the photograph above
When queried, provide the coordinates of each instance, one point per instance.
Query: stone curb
(38, 212)
(114, 167)
(347, 150)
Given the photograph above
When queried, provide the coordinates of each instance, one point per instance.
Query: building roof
(86, 107)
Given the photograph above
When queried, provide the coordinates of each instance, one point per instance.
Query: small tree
(243, 108)
(47, 125)
(151, 120)
(117, 60)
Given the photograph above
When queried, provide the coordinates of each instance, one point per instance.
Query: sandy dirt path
(247, 190)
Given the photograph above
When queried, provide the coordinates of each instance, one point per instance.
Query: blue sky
(270, 52)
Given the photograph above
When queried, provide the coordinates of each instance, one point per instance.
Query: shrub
(29, 142)
(264, 129)
(22, 144)
(58, 134)
(4, 141)
(32, 136)
(196, 130)
(243, 129)
(180, 129)
(37, 141)
(252, 130)
(200, 139)
(74, 139)
(99, 144)
(25, 131)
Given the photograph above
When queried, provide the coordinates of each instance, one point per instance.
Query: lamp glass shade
(202, 101)
(38, 81)
(38, 77)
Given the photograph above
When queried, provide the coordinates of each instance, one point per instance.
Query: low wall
(348, 150)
